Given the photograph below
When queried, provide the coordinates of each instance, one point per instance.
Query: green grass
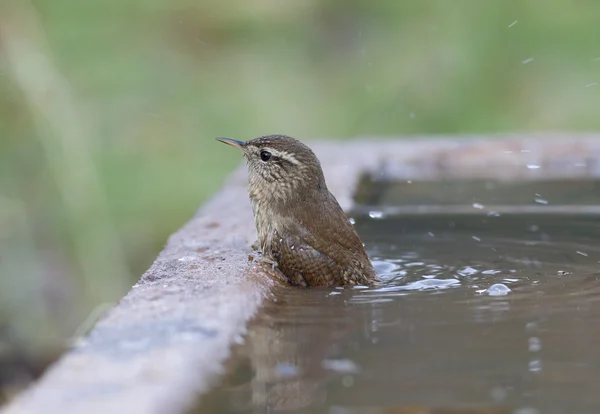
(157, 81)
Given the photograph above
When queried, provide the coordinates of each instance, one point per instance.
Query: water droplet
(513, 23)
(533, 166)
(347, 381)
(376, 214)
(581, 253)
(352, 221)
(535, 365)
(493, 214)
(531, 326)
(374, 325)
(498, 289)
(476, 238)
(412, 115)
(535, 344)
(431, 234)
(334, 293)
(526, 61)
(540, 200)
(589, 85)
(478, 206)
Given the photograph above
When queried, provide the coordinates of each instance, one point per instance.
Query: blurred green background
(109, 109)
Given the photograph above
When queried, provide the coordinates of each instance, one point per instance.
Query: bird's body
(301, 227)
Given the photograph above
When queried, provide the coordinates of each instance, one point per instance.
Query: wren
(302, 230)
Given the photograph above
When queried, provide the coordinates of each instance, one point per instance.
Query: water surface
(434, 337)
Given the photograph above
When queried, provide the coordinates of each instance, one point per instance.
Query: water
(476, 314)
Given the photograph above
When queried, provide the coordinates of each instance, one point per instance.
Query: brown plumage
(301, 227)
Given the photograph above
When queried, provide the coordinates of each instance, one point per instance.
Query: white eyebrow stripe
(282, 154)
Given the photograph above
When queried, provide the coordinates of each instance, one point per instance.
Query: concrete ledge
(169, 336)
(167, 339)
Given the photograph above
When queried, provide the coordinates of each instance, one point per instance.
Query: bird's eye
(265, 156)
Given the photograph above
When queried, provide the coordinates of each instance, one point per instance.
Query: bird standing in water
(302, 230)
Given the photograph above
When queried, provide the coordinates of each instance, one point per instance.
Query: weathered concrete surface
(167, 339)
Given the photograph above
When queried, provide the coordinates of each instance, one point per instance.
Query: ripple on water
(453, 320)
(498, 289)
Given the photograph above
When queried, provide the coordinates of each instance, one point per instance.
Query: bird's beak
(233, 142)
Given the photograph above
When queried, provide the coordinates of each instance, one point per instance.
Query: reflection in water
(434, 338)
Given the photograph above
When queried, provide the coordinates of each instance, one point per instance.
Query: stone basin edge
(166, 341)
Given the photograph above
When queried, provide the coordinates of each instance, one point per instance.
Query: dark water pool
(437, 336)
